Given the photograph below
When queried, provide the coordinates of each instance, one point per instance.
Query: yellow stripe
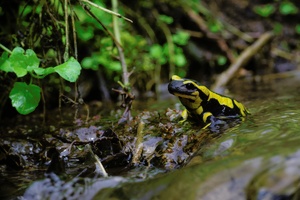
(226, 101)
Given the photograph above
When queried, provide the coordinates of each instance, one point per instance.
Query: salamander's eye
(190, 86)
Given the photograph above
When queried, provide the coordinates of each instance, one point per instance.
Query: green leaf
(87, 63)
(180, 60)
(215, 26)
(69, 70)
(221, 60)
(4, 63)
(181, 38)
(85, 33)
(157, 52)
(166, 19)
(114, 66)
(23, 63)
(288, 8)
(25, 98)
(264, 10)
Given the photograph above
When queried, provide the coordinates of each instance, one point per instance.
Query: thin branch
(86, 8)
(120, 49)
(5, 49)
(245, 56)
(66, 54)
(77, 91)
(74, 34)
(170, 43)
(106, 10)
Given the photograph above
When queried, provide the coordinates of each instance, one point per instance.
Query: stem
(170, 43)
(5, 49)
(77, 92)
(74, 34)
(66, 54)
(119, 47)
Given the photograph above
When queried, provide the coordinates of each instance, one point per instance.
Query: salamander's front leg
(214, 124)
(184, 115)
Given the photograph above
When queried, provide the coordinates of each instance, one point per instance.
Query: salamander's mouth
(185, 96)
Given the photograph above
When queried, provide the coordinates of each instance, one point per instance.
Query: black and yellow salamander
(204, 106)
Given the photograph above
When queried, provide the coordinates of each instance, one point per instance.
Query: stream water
(258, 159)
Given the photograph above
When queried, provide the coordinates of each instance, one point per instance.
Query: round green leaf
(22, 63)
(25, 98)
(69, 70)
(181, 38)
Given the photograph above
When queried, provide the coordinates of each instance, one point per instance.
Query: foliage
(265, 10)
(288, 8)
(25, 98)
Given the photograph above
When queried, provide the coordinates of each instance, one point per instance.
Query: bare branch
(245, 56)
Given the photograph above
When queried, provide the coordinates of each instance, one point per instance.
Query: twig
(106, 10)
(74, 34)
(138, 143)
(87, 9)
(5, 49)
(245, 56)
(98, 162)
(127, 100)
(76, 85)
(66, 54)
(170, 43)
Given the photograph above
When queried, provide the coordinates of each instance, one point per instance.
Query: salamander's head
(190, 92)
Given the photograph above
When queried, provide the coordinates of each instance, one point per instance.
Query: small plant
(26, 97)
(288, 8)
(161, 54)
(264, 10)
(285, 8)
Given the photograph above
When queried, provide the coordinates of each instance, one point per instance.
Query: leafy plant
(26, 97)
(288, 8)
(160, 53)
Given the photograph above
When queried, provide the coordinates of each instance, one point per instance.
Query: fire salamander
(204, 106)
